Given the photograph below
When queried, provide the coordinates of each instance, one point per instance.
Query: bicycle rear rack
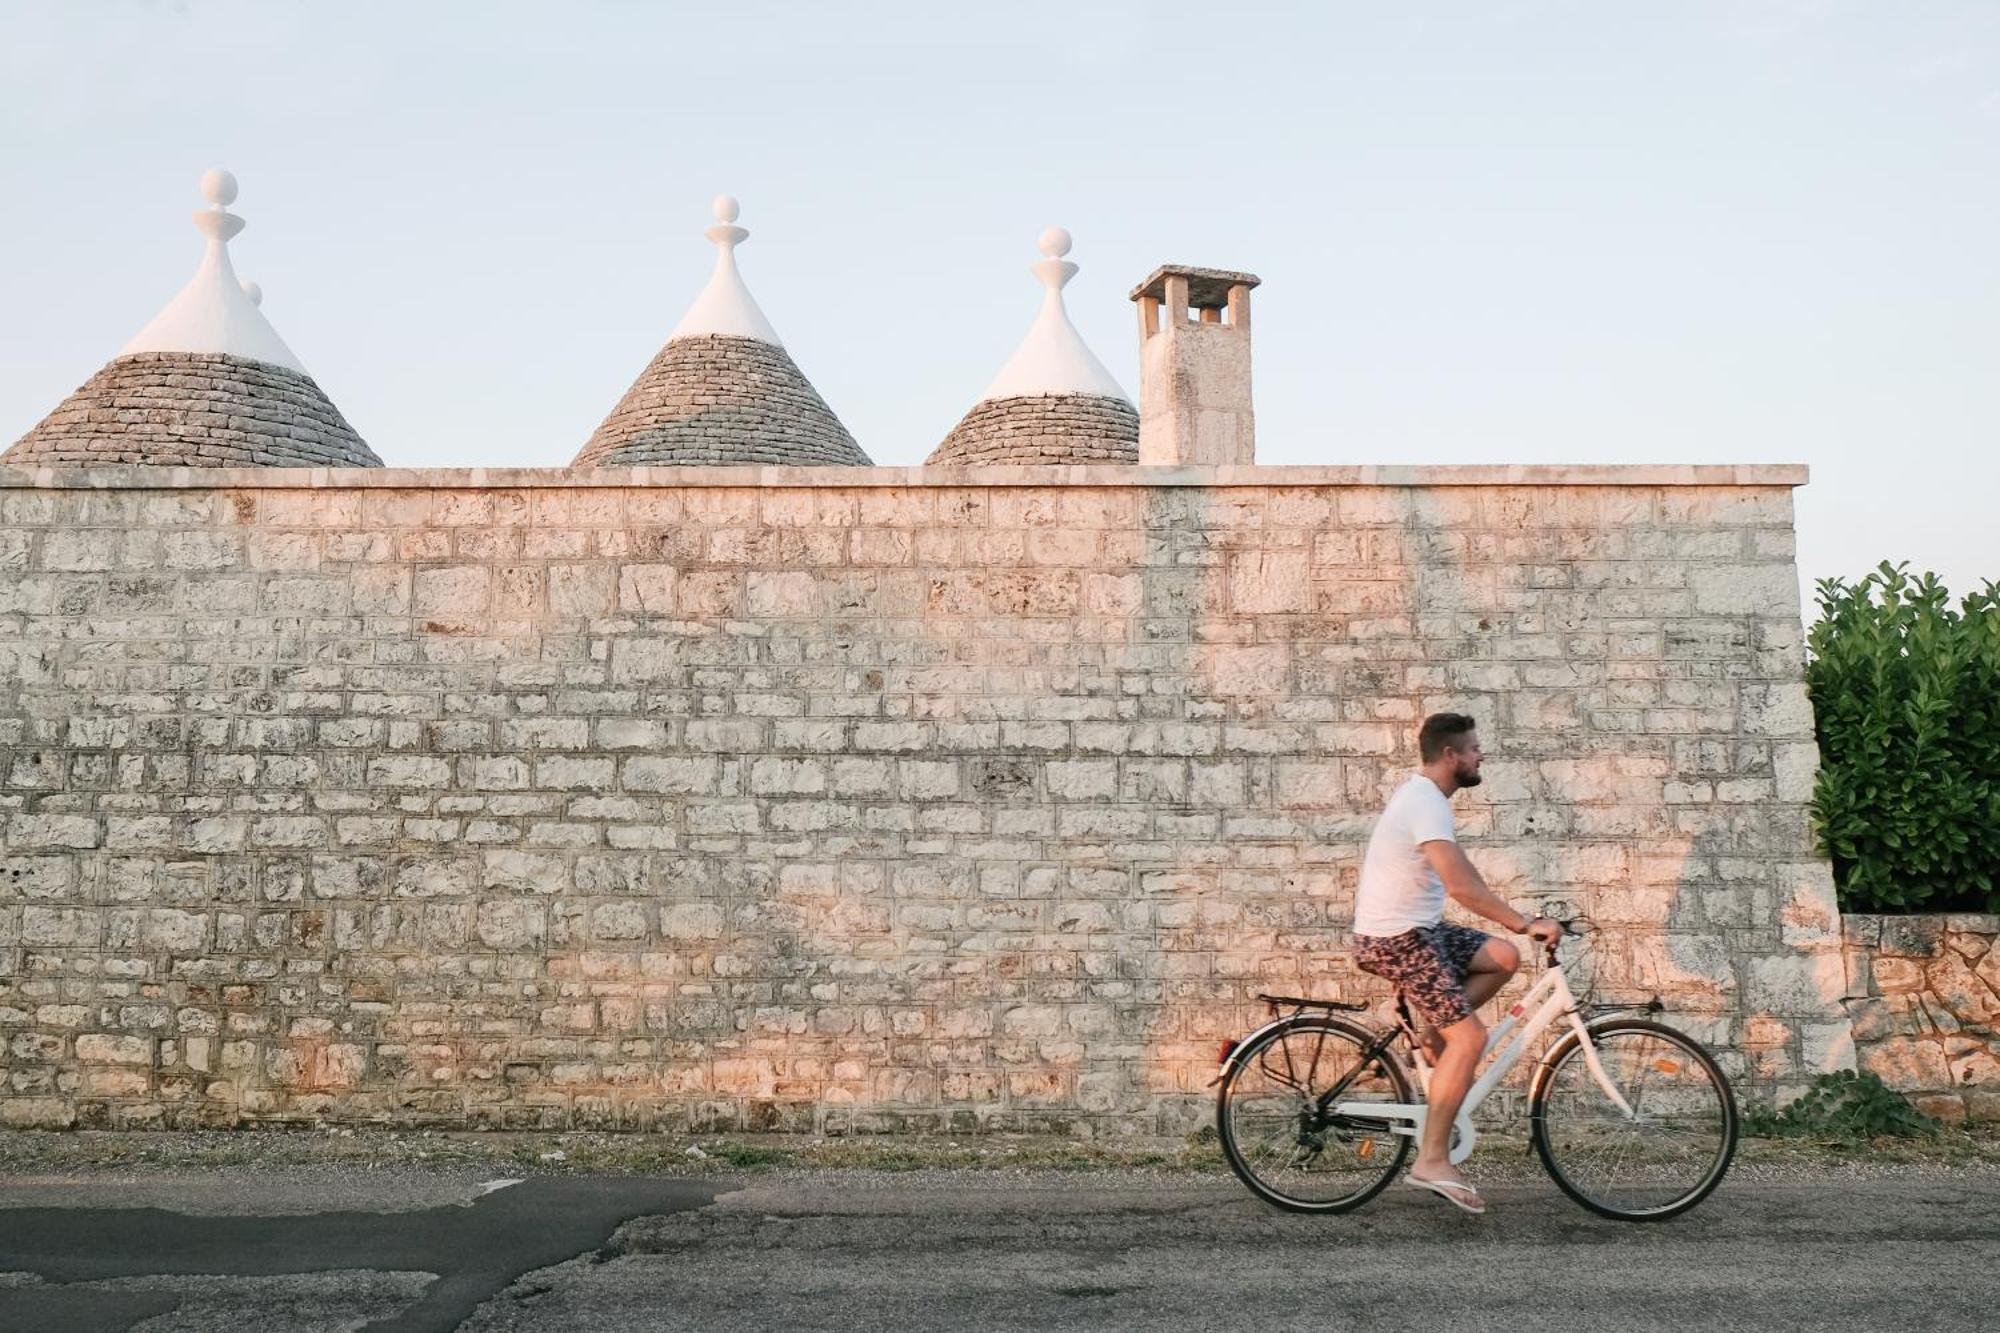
(1297, 1002)
(1278, 1005)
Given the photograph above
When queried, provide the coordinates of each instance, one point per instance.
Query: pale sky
(1488, 232)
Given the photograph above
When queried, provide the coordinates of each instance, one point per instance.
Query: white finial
(216, 313)
(1053, 357)
(1054, 271)
(725, 307)
(218, 187)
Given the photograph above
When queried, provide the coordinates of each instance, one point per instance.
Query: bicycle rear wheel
(1274, 1116)
(1662, 1159)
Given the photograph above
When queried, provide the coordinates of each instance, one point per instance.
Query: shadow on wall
(1551, 616)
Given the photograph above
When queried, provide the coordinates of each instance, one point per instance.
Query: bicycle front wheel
(1658, 1155)
(1275, 1115)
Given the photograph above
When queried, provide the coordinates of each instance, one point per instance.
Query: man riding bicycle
(1445, 971)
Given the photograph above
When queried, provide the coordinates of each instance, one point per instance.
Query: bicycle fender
(1545, 1069)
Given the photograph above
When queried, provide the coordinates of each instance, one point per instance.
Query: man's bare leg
(1463, 1043)
(1492, 967)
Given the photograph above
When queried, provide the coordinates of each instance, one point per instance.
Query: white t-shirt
(1399, 890)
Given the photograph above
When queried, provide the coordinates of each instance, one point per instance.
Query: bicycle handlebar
(1570, 931)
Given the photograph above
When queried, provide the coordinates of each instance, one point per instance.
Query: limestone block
(1910, 936)
(451, 590)
(545, 733)
(426, 877)
(864, 777)
(1081, 779)
(409, 771)
(778, 776)
(619, 921)
(522, 872)
(1303, 783)
(276, 832)
(59, 926)
(892, 737)
(647, 588)
(27, 832)
(1809, 917)
(175, 931)
(108, 1048)
(1255, 670)
(1807, 985)
(1777, 710)
(581, 590)
(691, 921)
(1895, 976)
(1797, 767)
(1270, 581)
(1906, 1064)
(708, 593)
(82, 550)
(571, 773)
(1965, 994)
(385, 592)
(616, 733)
(780, 594)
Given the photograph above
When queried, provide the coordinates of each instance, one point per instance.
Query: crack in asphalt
(475, 1248)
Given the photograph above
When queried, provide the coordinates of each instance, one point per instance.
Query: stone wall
(1924, 996)
(852, 798)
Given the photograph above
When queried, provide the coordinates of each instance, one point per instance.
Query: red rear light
(1222, 1057)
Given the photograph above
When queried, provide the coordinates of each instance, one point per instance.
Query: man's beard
(1471, 779)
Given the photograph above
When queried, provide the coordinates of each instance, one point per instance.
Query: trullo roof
(208, 383)
(723, 389)
(1053, 402)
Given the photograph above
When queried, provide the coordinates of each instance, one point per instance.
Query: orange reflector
(1667, 1066)
(1366, 1150)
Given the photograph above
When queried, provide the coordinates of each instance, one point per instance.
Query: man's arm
(1463, 882)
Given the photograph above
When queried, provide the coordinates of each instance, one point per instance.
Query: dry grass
(32, 1151)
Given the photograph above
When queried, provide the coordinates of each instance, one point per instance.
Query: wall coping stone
(141, 477)
(1977, 923)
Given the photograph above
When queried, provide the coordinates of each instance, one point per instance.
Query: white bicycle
(1632, 1119)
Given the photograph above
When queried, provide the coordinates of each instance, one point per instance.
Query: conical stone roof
(723, 390)
(208, 383)
(1053, 402)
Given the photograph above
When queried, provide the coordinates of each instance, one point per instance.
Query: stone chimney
(1194, 367)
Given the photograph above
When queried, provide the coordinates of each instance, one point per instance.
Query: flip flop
(1454, 1192)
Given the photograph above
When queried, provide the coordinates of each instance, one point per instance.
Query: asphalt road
(179, 1252)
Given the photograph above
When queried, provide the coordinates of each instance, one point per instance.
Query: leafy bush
(1906, 693)
(1843, 1106)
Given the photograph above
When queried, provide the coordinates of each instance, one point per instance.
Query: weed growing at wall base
(1906, 697)
(1843, 1107)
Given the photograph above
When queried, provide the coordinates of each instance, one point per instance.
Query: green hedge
(1906, 693)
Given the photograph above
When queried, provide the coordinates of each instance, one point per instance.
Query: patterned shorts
(1428, 964)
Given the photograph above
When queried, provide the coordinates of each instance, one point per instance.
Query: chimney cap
(1208, 288)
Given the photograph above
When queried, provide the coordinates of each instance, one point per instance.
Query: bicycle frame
(1550, 999)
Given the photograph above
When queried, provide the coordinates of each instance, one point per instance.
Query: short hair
(1440, 733)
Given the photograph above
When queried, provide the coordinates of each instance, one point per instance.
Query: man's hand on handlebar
(1544, 930)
